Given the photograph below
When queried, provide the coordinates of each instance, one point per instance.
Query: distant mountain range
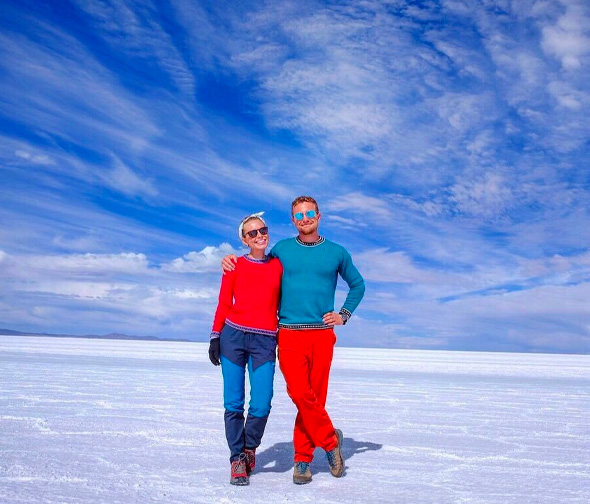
(116, 336)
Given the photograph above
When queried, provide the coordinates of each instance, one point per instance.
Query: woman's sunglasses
(252, 234)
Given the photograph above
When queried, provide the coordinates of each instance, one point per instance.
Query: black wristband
(345, 314)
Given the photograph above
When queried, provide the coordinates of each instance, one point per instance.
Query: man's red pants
(305, 357)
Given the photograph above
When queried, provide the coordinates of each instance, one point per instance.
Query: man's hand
(228, 263)
(332, 318)
(214, 348)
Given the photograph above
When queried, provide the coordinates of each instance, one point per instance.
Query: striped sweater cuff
(345, 314)
(214, 334)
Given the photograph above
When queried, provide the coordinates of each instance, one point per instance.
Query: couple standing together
(297, 280)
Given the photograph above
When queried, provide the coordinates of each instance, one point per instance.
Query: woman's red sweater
(249, 297)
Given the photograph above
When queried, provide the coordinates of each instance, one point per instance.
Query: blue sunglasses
(310, 214)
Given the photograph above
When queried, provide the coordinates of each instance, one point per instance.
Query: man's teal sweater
(310, 273)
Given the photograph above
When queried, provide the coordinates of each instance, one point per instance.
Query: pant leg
(320, 352)
(233, 355)
(302, 441)
(306, 368)
(261, 392)
(321, 363)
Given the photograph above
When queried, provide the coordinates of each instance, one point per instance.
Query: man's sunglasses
(252, 234)
(310, 214)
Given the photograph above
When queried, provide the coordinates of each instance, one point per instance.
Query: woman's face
(258, 242)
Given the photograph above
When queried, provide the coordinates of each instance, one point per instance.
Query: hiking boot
(335, 458)
(301, 473)
(239, 475)
(250, 459)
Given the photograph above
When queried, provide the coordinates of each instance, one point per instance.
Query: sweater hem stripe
(240, 327)
(299, 327)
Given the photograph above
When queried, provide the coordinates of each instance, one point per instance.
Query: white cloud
(335, 89)
(38, 268)
(381, 265)
(531, 315)
(454, 148)
(359, 204)
(567, 268)
(363, 332)
(132, 297)
(65, 223)
(429, 204)
(206, 260)
(63, 74)
(206, 40)
(78, 289)
(135, 28)
(123, 179)
(486, 197)
(543, 318)
(467, 60)
(569, 38)
(40, 159)
(131, 263)
(465, 111)
(567, 96)
(344, 222)
(207, 293)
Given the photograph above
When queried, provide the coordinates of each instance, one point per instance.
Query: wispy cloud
(446, 141)
(135, 28)
(381, 265)
(124, 179)
(39, 159)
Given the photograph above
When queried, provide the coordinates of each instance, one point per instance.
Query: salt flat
(101, 421)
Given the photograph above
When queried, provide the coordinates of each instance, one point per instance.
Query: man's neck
(309, 238)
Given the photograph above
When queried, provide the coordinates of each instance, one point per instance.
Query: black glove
(214, 352)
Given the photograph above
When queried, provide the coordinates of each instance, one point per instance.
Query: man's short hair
(304, 199)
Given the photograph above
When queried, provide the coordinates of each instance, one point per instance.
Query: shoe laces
(301, 467)
(239, 465)
(332, 459)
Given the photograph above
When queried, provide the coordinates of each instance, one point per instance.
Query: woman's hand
(214, 349)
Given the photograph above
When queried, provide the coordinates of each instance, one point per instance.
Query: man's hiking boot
(335, 458)
(239, 475)
(301, 473)
(250, 459)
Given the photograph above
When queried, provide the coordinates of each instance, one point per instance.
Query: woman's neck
(257, 254)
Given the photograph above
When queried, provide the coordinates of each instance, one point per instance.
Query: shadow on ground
(279, 457)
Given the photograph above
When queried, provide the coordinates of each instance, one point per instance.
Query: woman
(244, 335)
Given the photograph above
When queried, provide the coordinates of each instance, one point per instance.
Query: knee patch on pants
(261, 384)
(233, 385)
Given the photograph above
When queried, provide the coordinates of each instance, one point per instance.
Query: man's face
(306, 225)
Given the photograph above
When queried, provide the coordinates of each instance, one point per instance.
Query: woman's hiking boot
(250, 459)
(239, 475)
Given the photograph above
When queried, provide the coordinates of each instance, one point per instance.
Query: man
(306, 338)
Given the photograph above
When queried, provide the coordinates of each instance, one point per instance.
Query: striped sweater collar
(319, 241)
(251, 259)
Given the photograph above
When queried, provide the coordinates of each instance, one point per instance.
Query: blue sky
(447, 144)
